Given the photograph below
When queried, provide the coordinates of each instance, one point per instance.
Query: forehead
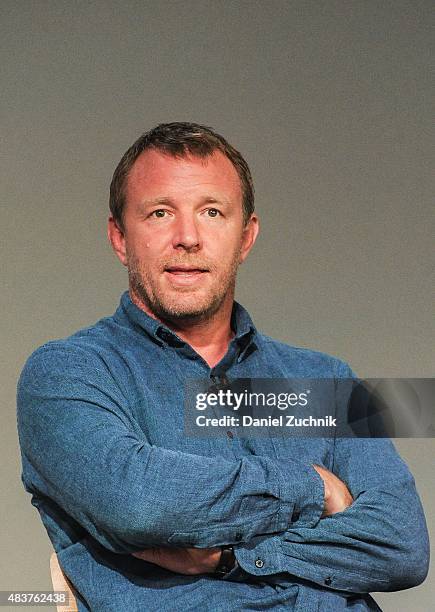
(156, 174)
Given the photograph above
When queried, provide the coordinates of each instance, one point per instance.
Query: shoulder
(303, 361)
(83, 350)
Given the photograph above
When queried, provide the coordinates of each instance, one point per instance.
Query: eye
(213, 212)
(159, 214)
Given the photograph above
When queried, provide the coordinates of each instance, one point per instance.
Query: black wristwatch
(226, 562)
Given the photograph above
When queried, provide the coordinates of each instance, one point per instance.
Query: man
(145, 518)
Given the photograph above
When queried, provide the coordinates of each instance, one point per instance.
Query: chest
(158, 400)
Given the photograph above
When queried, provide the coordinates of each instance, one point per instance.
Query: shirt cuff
(302, 494)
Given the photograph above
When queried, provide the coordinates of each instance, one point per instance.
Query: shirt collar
(241, 324)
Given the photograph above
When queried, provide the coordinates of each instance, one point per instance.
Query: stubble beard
(172, 307)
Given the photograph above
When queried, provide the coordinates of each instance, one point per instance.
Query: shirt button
(328, 580)
(259, 563)
(230, 434)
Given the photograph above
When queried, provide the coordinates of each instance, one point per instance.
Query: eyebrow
(169, 201)
(145, 204)
(156, 201)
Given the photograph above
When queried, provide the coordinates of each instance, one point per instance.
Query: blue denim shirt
(100, 418)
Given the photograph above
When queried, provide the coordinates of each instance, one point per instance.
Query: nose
(186, 233)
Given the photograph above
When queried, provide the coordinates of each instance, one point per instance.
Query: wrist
(227, 561)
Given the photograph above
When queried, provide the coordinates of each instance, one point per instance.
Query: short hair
(178, 140)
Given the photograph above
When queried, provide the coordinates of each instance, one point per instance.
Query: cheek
(225, 241)
(142, 246)
(229, 248)
(139, 237)
(153, 243)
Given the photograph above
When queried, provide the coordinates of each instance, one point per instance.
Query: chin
(193, 310)
(180, 313)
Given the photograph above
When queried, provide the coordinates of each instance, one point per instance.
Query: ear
(117, 240)
(250, 233)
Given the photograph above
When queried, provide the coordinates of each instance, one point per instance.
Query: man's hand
(188, 561)
(337, 495)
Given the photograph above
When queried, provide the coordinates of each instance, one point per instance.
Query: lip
(180, 275)
(184, 270)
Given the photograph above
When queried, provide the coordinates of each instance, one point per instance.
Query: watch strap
(226, 562)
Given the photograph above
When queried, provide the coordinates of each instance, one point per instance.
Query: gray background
(330, 103)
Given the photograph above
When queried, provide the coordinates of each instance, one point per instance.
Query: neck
(208, 337)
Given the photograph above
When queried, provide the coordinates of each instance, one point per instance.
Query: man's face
(184, 235)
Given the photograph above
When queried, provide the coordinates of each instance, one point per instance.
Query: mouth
(185, 270)
(185, 274)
